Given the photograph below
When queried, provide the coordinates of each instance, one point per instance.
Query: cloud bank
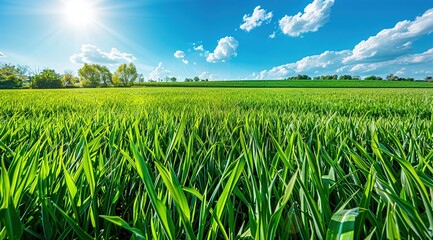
(92, 54)
(384, 53)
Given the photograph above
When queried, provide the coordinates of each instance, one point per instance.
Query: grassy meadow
(216, 163)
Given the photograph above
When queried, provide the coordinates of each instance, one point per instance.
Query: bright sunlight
(79, 13)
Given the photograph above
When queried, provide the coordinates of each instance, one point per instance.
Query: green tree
(10, 77)
(392, 77)
(94, 75)
(125, 75)
(48, 78)
(373, 77)
(68, 79)
(105, 76)
(173, 79)
(196, 79)
(345, 77)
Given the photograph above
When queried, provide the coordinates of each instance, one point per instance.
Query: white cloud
(272, 36)
(179, 54)
(226, 48)
(199, 48)
(185, 61)
(206, 75)
(393, 42)
(327, 61)
(330, 63)
(159, 72)
(411, 65)
(315, 15)
(382, 54)
(92, 54)
(258, 17)
(2, 55)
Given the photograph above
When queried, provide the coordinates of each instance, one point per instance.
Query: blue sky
(222, 39)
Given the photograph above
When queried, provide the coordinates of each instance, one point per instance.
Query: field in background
(293, 84)
(216, 163)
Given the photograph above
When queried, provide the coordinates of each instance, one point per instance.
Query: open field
(294, 84)
(216, 163)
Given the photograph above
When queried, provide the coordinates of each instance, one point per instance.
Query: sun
(80, 13)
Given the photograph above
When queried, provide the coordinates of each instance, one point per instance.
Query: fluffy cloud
(258, 17)
(226, 48)
(206, 75)
(382, 54)
(159, 72)
(179, 54)
(393, 42)
(2, 55)
(199, 48)
(327, 61)
(410, 65)
(92, 54)
(315, 15)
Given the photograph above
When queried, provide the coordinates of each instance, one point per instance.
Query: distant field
(216, 163)
(294, 84)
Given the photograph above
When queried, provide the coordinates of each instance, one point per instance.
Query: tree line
(90, 75)
(95, 75)
(390, 77)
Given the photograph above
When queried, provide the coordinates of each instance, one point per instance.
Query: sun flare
(79, 13)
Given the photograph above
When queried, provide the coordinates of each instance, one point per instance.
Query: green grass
(293, 84)
(216, 163)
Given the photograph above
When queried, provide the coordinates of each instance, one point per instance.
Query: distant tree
(196, 79)
(24, 74)
(392, 77)
(189, 80)
(125, 75)
(410, 79)
(140, 77)
(68, 79)
(48, 78)
(299, 77)
(373, 77)
(327, 77)
(173, 79)
(429, 79)
(94, 75)
(10, 77)
(105, 76)
(345, 77)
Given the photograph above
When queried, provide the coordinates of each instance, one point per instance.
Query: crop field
(216, 163)
(294, 84)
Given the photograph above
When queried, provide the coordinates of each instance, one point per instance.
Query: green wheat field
(216, 163)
